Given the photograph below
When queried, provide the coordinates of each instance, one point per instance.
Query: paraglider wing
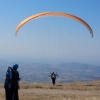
(54, 14)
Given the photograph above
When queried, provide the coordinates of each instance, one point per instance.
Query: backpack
(9, 78)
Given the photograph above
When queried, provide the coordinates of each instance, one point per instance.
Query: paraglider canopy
(44, 14)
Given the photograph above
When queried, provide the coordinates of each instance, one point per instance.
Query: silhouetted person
(53, 77)
(12, 83)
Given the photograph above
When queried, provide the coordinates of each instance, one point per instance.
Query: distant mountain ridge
(39, 72)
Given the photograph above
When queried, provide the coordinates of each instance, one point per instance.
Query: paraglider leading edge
(54, 14)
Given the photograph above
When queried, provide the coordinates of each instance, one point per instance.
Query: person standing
(11, 84)
(15, 82)
(53, 77)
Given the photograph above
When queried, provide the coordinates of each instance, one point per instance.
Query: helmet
(15, 66)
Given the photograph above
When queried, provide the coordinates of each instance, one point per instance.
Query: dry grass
(61, 91)
(1, 85)
(92, 85)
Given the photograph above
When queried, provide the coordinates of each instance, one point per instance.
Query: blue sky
(50, 39)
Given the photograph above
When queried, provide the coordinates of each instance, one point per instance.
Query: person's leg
(8, 94)
(53, 81)
(11, 95)
(16, 97)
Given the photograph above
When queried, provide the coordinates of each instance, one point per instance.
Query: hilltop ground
(61, 91)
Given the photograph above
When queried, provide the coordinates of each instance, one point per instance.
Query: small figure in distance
(53, 77)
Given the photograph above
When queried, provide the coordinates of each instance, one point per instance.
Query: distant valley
(67, 72)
